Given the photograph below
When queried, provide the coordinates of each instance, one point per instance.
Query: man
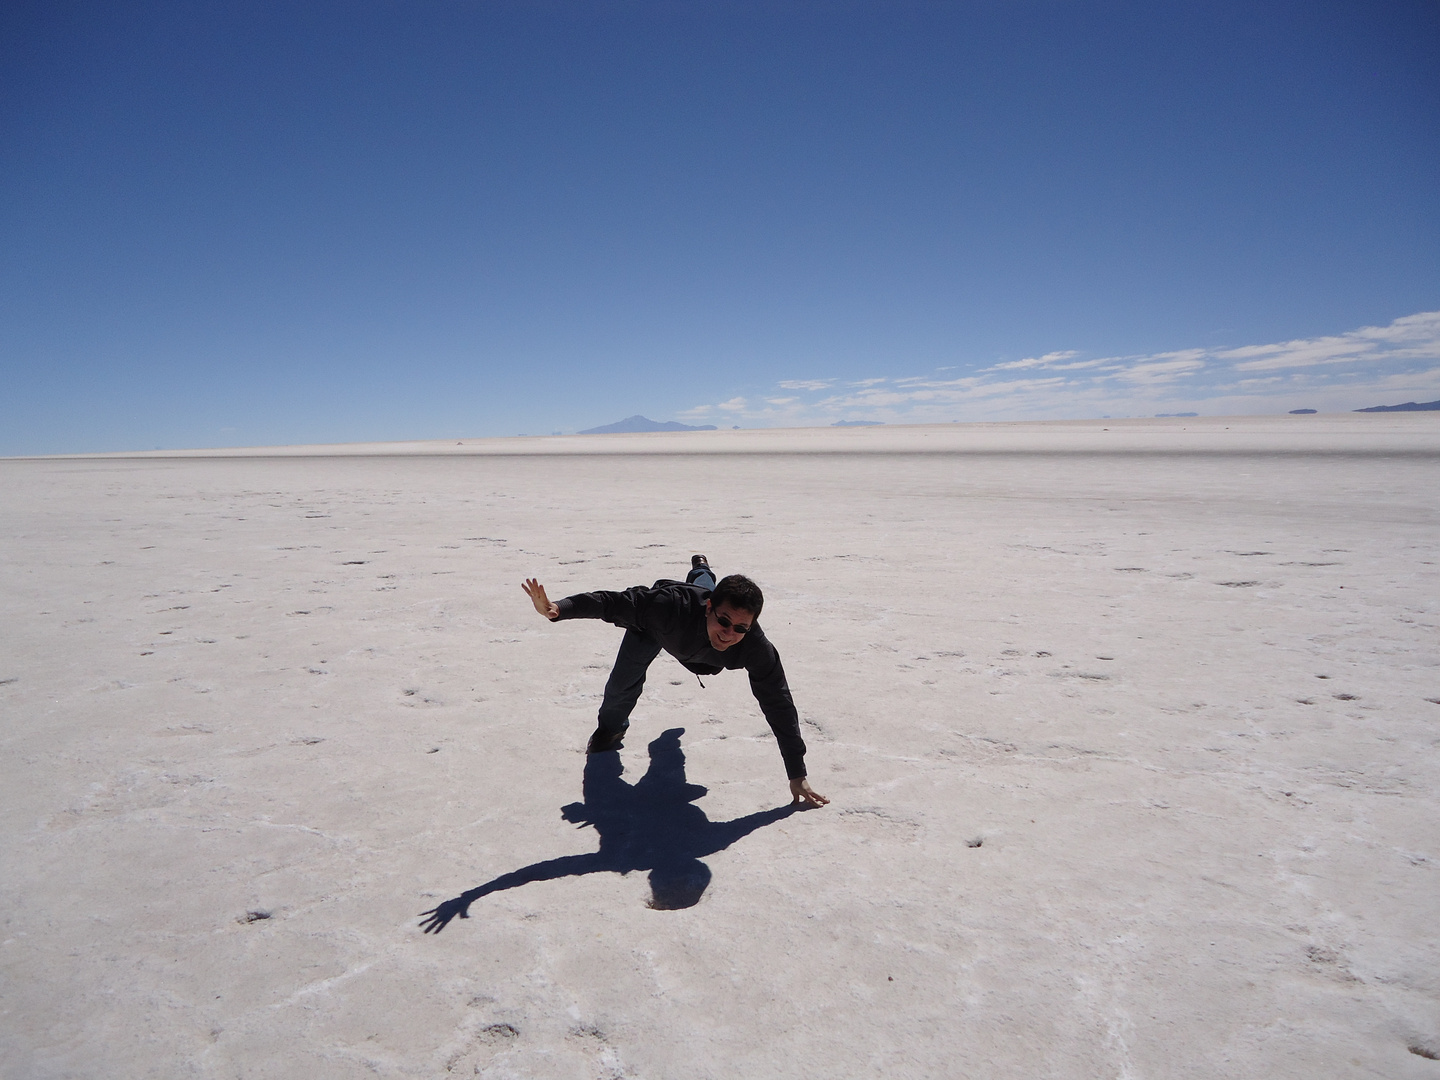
(708, 627)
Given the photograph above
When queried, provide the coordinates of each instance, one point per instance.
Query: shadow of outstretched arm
(719, 835)
(437, 918)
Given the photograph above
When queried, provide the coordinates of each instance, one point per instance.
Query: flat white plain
(1130, 727)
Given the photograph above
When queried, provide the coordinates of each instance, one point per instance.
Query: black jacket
(674, 615)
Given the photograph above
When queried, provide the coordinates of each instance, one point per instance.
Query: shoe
(604, 740)
(697, 561)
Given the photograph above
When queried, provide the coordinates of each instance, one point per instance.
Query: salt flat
(1132, 731)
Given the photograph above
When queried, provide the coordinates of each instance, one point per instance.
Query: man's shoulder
(755, 647)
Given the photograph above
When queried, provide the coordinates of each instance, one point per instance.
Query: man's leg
(622, 689)
(700, 573)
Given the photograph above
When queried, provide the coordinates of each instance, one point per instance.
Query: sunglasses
(724, 621)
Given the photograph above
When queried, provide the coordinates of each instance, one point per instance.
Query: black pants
(627, 678)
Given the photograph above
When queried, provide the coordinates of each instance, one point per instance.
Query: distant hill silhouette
(858, 423)
(637, 422)
(1409, 406)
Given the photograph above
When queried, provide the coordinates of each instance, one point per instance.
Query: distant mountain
(1302, 412)
(858, 423)
(1409, 406)
(1162, 415)
(637, 422)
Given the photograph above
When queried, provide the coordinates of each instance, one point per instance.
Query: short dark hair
(738, 591)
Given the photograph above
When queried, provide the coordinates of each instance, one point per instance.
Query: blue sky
(260, 223)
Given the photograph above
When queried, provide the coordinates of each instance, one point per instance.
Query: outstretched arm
(536, 592)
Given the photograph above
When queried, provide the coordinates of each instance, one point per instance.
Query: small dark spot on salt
(1347, 697)
(433, 750)
(254, 916)
(976, 842)
(1424, 1051)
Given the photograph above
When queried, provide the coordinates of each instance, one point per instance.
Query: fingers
(804, 793)
(536, 592)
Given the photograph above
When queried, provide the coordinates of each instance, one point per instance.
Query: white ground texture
(1130, 727)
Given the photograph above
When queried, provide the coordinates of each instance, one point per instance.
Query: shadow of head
(678, 884)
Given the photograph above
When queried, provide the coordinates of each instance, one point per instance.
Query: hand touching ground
(804, 793)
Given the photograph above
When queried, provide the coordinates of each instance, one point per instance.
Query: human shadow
(652, 825)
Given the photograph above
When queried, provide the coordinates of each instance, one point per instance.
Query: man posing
(707, 627)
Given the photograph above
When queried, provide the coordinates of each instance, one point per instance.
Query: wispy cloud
(1367, 366)
(1165, 367)
(806, 384)
(1413, 337)
(1047, 360)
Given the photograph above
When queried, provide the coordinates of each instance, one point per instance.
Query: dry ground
(1132, 732)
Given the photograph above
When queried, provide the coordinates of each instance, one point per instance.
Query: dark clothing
(671, 616)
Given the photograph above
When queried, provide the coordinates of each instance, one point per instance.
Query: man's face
(721, 636)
